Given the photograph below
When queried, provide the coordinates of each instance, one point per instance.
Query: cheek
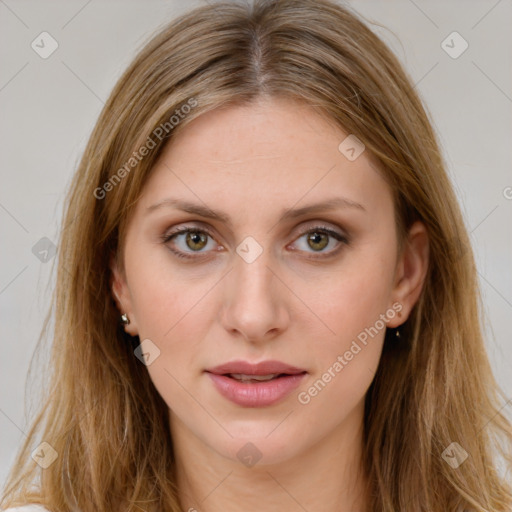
(354, 297)
(163, 298)
(345, 360)
(169, 312)
(353, 304)
(173, 311)
(332, 396)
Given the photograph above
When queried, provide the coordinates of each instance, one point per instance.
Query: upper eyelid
(200, 227)
(319, 225)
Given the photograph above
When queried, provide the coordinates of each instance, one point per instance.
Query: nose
(254, 305)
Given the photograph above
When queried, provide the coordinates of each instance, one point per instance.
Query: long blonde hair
(101, 412)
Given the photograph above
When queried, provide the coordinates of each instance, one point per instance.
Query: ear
(122, 296)
(410, 273)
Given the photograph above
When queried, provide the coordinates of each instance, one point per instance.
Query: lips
(255, 385)
(242, 377)
(263, 368)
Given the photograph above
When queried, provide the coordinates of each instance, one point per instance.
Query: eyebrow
(287, 214)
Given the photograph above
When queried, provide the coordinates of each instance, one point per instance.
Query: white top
(28, 508)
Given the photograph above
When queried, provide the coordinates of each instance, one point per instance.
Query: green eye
(187, 241)
(318, 240)
(196, 240)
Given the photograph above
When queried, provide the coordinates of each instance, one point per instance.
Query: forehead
(269, 153)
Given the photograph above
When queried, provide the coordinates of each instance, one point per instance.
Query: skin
(252, 162)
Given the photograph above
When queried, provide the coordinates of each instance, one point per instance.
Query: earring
(124, 319)
(397, 331)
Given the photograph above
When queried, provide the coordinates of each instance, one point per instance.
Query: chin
(254, 446)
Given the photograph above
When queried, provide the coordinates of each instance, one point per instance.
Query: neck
(327, 477)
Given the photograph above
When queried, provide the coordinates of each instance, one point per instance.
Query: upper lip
(262, 368)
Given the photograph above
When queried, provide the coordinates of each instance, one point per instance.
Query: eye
(320, 237)
(188, 241)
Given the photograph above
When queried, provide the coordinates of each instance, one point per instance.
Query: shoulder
(28, 508)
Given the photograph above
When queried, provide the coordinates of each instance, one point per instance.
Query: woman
(266, 295)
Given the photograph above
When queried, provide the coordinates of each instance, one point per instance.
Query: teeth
(242, 377)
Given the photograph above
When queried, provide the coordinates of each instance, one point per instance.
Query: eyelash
(167, 237)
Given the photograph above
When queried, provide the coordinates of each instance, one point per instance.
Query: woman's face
(269, 274)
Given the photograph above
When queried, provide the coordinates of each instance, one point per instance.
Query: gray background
(48, 108)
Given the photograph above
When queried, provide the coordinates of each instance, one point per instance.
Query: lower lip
(256, 394)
